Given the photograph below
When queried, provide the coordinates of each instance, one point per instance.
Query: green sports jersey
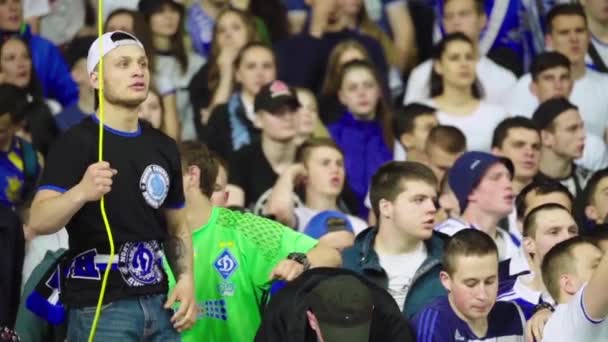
(234, 254)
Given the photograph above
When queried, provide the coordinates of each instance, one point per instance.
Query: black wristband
(543, 305)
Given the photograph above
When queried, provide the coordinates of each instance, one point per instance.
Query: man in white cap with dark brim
(141, 180)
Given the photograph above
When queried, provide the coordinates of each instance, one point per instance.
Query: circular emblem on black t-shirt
(154, 185)
(138, 265)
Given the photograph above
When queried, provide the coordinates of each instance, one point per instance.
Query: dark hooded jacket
(284, 318)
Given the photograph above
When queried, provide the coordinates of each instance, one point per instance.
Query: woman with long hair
(213, 83)
(39, 126)
(175, 66)
(456, 93)
(232, 125)
(363, 132)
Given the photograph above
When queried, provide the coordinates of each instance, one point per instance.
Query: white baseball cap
(110, 42)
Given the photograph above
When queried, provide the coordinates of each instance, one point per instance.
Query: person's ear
(446, 281)
(438, 68)
(547, 139)
(529, 245)
(407, 140)
(386, 209)
(94, 80)
(533, 88)
(591, 213)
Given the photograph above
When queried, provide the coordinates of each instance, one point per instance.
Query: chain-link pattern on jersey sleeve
(265, 234)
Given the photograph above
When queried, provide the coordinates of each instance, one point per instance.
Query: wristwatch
(300, 258)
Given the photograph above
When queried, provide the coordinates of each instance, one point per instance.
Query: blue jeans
(133, 319)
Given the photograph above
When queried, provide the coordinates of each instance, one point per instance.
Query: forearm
(170, 119)
(322, 256)
(318, 23)
(595, 296)
(279, 203)
(178, 249)
(50, 214)
(223, 91)
(403, 36)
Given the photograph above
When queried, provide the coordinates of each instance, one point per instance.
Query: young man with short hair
(470, 311)
(595, 198)
(237, 255)
(518, 139)
(403, 253)
(444, 145)
(533, 195)
(567, 33)
(576, 273)
(597, 18)
(255, 168)
(482, 184)
(319, 167)
(76, 57)
(544, 227)
(141, 181)
(412, 124)
(324, 301)
(563, 141)
(551, 78)
(468, 17)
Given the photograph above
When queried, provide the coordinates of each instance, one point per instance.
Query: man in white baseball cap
(141, 181)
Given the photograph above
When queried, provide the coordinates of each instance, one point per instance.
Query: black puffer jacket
(284, 318)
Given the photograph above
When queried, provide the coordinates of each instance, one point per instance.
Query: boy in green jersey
(236, 256)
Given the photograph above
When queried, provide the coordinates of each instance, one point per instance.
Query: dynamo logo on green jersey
(225, 264)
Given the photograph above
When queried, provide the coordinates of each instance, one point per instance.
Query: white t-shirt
(169, 78)
(477, 127)
(601, 48)
(36, 249)
(589, 94)
(110, 6)
(63, 21)
(570, 323)
(595, 154)
(495, 80)
(36, 8)
(305, 214)
(504, 241)
(401, 269)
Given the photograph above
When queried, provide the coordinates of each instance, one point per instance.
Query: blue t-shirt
(69, 117)
(527, 299)
(200, 28)
(438, 323)
(504, 29)
(13, 174)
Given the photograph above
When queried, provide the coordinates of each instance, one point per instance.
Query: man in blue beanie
(482, 183)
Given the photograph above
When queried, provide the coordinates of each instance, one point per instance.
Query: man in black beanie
(563, 141)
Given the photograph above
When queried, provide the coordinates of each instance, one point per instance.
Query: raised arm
(402, 26)
(280, 203)
(595, 297)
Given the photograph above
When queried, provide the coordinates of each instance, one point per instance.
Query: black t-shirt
(251, 171)
(149, 179)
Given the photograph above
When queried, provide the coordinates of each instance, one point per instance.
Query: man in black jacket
(323, 302)
(12, 247)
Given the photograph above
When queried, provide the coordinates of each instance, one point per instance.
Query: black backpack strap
(598, 63)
